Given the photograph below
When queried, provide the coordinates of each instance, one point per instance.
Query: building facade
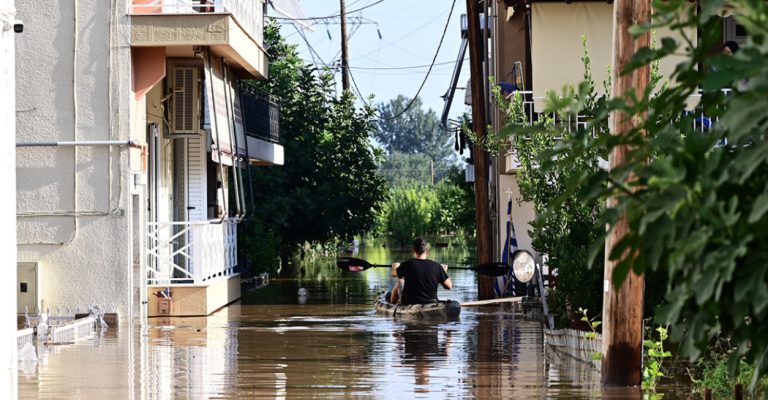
(135, 125)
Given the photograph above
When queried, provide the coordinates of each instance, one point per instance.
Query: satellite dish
(523, 266)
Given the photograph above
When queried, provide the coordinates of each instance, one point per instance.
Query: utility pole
(432, 171)
(344, 53)
(623, 308)
(479, 124)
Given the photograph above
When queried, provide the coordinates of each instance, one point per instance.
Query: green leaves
(329, 187)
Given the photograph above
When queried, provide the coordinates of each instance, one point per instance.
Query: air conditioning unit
(185, 117)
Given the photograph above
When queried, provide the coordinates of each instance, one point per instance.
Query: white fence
(249, 14)
(24, 336)
(190, 252)
(79, 329)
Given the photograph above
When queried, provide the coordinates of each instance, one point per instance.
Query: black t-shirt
(421, 280)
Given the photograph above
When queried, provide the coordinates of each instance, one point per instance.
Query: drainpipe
(247, 162)
(232, 138)
(92, 143)
(209, 79)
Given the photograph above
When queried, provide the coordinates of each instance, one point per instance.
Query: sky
(410, 33)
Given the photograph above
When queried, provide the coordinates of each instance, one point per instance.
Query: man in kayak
(418, 277)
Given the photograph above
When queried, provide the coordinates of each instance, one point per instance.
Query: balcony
(568, 124)
(193, 263)
(232, 28)
(261, 122)
(190, 252)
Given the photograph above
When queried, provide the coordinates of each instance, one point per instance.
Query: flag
(505, 285)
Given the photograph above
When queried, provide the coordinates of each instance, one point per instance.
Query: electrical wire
(426, 76)
(409, 66)
(329, 16)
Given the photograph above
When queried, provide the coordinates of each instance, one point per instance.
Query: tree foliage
(414, 132)
(424, 210)
(697, 205)
(404, 169)
(329, 186)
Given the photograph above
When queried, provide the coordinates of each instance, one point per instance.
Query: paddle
(352, 264)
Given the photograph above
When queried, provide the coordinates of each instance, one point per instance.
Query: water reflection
(331, 344)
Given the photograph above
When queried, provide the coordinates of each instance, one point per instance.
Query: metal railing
(249, 14)
(190, 252)
(261, 113)
(567, 123)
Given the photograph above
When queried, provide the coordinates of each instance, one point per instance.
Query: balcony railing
(190, 252)
(249, 14)
(570, 123)
(261, 114)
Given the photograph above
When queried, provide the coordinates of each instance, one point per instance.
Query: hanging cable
(424, 81)
(329, 16)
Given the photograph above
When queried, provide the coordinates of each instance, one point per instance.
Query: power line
(408, 67)
(434, 59)
(329, 16)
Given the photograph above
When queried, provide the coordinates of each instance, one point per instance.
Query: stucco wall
(74, 209)
(8, 352)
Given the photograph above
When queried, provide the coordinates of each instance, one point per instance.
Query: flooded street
(270, 346)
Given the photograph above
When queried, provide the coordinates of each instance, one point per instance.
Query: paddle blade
(492, 269)
(352, 264)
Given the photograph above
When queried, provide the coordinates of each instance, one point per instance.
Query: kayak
(438, 309)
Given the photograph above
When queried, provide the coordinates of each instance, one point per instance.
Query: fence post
(738, 393)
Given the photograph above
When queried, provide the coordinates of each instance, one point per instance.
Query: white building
(8, 352)
(134, 125)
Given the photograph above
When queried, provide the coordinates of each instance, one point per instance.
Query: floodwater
(333, 346)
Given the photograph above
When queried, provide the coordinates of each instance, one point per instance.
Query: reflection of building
(194, 357)
(134, 131)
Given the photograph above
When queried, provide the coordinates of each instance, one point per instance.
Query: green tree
(414, 132)
(329, 187)
(403, 169)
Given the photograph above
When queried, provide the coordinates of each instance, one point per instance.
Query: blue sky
(410, 33)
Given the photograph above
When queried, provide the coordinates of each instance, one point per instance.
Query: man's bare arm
(447, 284)
(393, 270)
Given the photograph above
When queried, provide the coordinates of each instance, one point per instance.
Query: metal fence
(575, 344)
(261, 114)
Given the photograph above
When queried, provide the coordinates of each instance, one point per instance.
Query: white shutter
(197, 207)
(185, 118)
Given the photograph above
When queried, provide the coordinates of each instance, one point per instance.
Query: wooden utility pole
(479, 124)
(623, 308)
(344, 54)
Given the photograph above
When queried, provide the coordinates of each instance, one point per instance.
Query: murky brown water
(333, 346)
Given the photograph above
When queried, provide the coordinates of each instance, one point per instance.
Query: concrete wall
(74, 204)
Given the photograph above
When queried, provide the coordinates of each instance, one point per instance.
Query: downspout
(235, 92)
(232, 137)
(91, 143)
(247, 161)
(209, 79)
